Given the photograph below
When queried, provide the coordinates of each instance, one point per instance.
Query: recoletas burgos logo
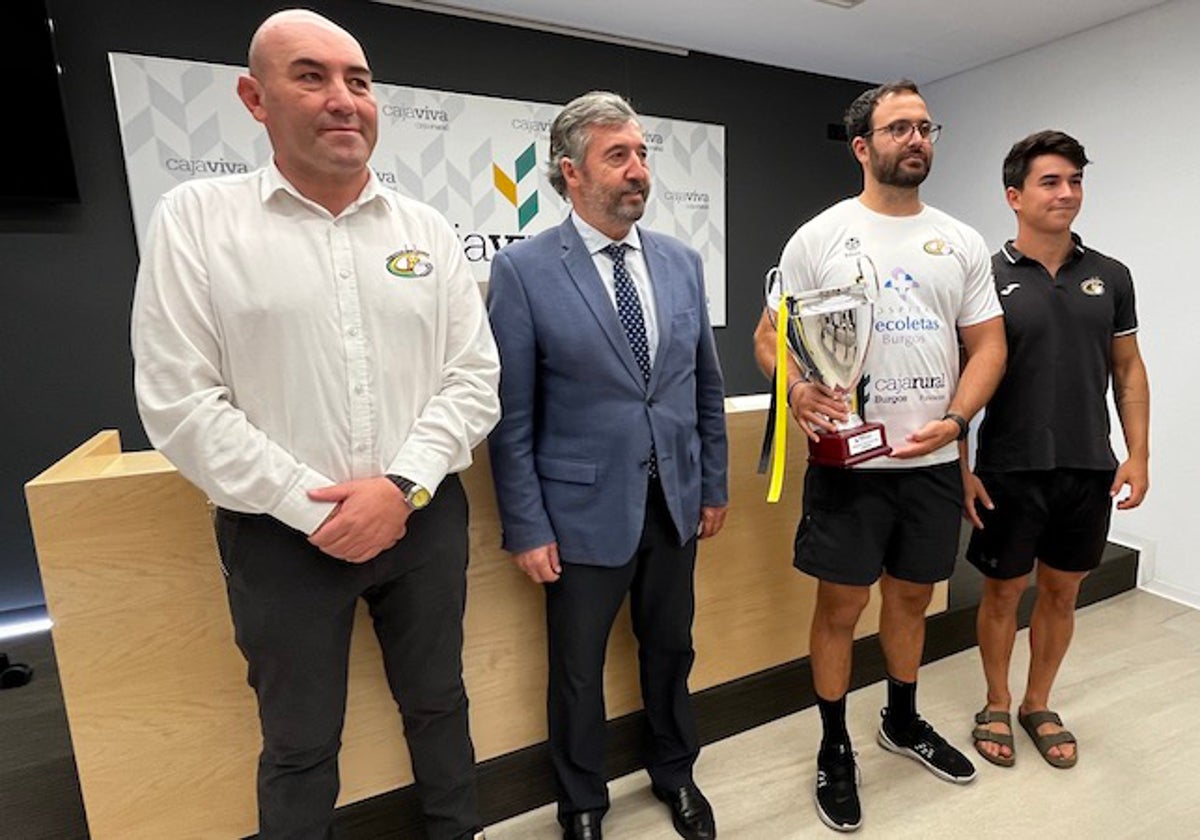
(901, 282)
(1092, 286)
(409, 262)
(508, 186)
(905, 329)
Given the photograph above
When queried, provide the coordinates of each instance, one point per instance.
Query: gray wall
(1127, 90)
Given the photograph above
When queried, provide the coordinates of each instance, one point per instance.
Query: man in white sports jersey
(897, 517)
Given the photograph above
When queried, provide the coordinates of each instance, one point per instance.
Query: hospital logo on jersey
(1093, 286)
(901, 282)
(938, 248)
(409, 262)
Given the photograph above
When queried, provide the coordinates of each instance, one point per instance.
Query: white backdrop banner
(479, 160)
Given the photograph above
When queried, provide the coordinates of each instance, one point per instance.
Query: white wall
(1130, 92)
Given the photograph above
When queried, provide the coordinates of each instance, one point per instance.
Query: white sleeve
(795, 270)
(979, 302)
(467, 405)
(185, 406)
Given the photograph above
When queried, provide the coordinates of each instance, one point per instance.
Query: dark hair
(858, 116)
(571, 130)
(1021, 155)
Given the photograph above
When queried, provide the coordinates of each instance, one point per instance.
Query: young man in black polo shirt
(1045, 471)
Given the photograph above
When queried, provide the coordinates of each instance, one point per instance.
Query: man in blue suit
(610, 459)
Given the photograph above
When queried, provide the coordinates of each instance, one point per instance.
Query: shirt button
(362, 447)
(358, 389)
(344, 273)
(353, 331)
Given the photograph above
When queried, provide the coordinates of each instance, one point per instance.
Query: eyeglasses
(901, 130)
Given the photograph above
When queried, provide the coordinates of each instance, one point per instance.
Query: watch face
(419, 498)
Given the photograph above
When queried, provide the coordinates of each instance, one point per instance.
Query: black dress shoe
(583, 826)
(690, 812)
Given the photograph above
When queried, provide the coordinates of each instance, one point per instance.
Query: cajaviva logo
(525, 163)
(417, 113)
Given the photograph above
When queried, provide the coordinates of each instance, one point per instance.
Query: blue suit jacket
(571, 453)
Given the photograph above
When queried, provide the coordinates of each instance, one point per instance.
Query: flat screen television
(38, 167)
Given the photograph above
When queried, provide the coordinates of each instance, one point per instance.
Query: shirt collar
(1014, 256)
(595, 241)
(274, 181)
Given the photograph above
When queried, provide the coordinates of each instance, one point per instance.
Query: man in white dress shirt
(312, 352)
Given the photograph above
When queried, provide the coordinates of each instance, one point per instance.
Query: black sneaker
(837, 788)
(921, 743)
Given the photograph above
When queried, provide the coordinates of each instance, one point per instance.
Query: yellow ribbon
(779, 448)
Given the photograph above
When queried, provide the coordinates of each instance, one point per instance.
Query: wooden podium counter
(163, 724)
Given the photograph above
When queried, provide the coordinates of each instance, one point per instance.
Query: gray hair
(571, 131)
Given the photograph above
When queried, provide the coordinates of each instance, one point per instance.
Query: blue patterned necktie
(629, 311)
(629, 308)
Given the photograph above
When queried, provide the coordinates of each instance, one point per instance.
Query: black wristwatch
(415, 496)
(963, 425)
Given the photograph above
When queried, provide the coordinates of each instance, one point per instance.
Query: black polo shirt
(1051, 409)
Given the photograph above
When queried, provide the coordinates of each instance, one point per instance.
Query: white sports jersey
(934, 274)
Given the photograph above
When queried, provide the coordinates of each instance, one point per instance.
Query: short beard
(629, 212)
(894, 176)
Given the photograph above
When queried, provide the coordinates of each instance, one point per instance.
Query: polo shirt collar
(1014, 256)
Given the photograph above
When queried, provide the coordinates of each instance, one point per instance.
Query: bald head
(283, 25)
(310, 86)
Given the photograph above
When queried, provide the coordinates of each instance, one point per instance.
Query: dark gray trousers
(293, 612)
(580, 609)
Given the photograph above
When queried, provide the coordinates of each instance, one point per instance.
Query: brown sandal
(981, 735)
(1030, 724)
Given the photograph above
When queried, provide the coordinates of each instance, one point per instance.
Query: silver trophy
(828, 333)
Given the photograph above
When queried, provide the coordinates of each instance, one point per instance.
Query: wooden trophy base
(847, 447)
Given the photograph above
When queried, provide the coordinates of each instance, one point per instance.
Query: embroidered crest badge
(409, 262)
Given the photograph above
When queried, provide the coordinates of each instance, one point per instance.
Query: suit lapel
(587, 280)
(664, 301)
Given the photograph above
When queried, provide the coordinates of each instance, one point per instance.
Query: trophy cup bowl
(828, 332)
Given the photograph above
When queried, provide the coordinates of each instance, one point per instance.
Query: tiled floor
(1129, 690)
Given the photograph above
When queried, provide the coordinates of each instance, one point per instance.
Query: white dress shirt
(635, 264)
(279, 349)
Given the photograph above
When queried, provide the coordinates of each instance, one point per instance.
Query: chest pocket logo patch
(1093, 286)
(409, 262)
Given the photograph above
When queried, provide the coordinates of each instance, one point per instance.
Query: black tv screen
(39, 168)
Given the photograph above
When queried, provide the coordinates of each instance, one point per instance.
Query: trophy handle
(772, 282)
(868, 276)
